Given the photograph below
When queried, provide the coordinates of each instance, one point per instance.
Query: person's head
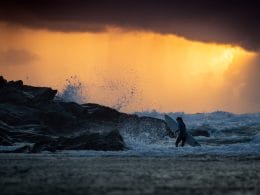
(179, 119)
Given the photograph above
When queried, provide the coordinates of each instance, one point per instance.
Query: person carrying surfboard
(178, 129)
(182, 133)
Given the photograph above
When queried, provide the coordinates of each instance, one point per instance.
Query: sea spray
(117, 93)
(74, 91)
(122, 91)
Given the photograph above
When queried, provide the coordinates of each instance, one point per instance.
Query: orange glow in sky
(138, 70)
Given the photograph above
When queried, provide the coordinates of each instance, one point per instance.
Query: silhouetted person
(182, 134)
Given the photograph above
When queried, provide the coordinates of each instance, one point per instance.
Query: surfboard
(173, 125)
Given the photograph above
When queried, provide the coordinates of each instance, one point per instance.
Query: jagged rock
(10, 118)
(59, 120)
(45, 94)
(3, 82)
(111, 141)
(13, 114)
(43, 146)
(197, 132)
(13, 95)
(74, 108)
(47, 106)
(202, 130)
(32, 115)
(16, 92)
(29, 137)
(35, 128)
(101, 113)
(114, 141)
(15, 84)
(5, 140)
(21, 149)
(4, 126)
(37, 118)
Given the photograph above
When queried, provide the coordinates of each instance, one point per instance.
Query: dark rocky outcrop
(3, 82)
(199, 132)
(13, 95)
(16, 93)
(33, 115)
(102, 113)
(202, 130)
(111, 141)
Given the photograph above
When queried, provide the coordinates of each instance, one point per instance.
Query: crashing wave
(73, 91)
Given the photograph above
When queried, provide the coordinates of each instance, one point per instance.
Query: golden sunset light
(152, 71)
(129, 97)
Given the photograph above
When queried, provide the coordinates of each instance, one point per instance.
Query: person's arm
(178, 130)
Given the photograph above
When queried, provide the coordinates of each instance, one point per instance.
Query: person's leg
(183, 140)
(177, 141)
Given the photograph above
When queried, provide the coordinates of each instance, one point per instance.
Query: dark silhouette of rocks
(111, 141)
(33, 115)
(3, 82)
(199, 132)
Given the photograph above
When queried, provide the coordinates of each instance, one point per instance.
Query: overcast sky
(162, 49)
(222, 21)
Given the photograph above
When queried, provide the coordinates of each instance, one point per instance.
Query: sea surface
(230, 135)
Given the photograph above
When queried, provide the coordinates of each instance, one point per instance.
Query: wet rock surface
(199, 132)
(31, 115)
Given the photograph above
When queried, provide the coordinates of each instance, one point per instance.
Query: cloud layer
(223, 21)
(13, 57)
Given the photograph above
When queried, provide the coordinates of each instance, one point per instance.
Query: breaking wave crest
(74, 91)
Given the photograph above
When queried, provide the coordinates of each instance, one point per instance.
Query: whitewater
(230, 135)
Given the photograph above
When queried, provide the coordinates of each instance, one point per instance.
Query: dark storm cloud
(222, 21)
(12, 57)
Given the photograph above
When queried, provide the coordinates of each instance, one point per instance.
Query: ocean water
(230, 135)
